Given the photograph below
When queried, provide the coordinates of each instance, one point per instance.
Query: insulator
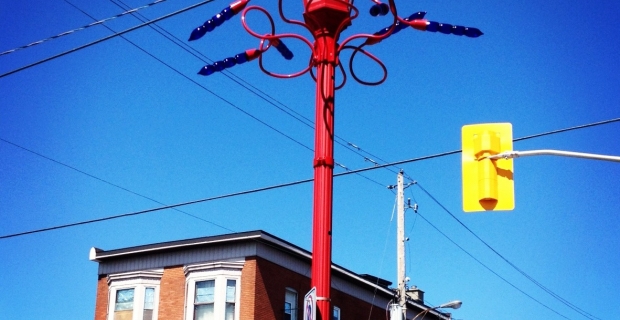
(417, 15)
(218, 19)
(379, 9)
(458, 30)
(241, 58)
(432, 26)
(382, 31)
(207, 70)
(445, 28)
(227, 13)
(473, 32)
(282, 48)
(229, 62)
(219, 65)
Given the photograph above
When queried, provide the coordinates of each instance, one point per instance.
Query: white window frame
(293, 303)
(139, 281)
(220, 272)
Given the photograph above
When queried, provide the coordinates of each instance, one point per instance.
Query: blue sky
(113, 112)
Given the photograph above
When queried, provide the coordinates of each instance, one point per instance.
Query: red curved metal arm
(371, 56)
(372, 36)
(270, 38)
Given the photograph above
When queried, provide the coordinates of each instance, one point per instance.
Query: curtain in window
(231, 289)
(149, 301)
(205, 296)
(124, 300)
(123, 307)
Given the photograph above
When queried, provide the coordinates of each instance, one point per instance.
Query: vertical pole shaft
(400, 245)
(323, 179)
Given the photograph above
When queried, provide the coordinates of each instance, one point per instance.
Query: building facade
(242, 276)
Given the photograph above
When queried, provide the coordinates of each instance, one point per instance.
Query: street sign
(310, 305)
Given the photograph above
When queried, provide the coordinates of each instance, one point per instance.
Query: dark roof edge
(99, 255)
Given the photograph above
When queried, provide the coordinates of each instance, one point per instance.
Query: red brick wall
(353, 308)
(263, 286)
(272, 281)
(101, 302)
(172, 294)
(248, 291)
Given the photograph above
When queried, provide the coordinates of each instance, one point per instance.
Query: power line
(81, 28)
(567, 129)
(489, 269)
(244, 84)
(213, 93)
(108, 182)
(523, 273)
(438, 155)
(105, 38)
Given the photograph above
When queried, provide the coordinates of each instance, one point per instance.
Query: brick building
(241, 276)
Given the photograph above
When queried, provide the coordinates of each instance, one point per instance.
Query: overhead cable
(491, 270)
(267, 188)
(82, 27)
(523, 273)
(244, 84)
(105, 38)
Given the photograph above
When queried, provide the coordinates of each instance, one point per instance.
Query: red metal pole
(324, 18)
(323, 191)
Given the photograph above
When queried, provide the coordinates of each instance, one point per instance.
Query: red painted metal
(324, 18)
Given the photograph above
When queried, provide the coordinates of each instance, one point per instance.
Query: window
(123, 309)
(336, 315)
(290, 304)
(133, 295)
(213, 291)
(231, 294)
(149, 303)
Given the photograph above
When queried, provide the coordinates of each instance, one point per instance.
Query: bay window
(134, 295)
(213, 291)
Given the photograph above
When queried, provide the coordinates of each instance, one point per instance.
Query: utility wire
(523, 273)
(105, 38)
(216, 95)
(202, 86)
(567, 129)
(488, 268)
(244, 84)
(438, 155)
(108, 182)
(81, 28)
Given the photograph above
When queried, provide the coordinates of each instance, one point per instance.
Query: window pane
(149, 301)
(203, 312)
(230, 311)
(149, 298)
(124, 300)
(148, 315)
(336, 313)
(231, 286)
(123, 315)
(290, 305)
(205, 291)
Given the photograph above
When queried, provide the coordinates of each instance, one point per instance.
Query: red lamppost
(325, 19)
